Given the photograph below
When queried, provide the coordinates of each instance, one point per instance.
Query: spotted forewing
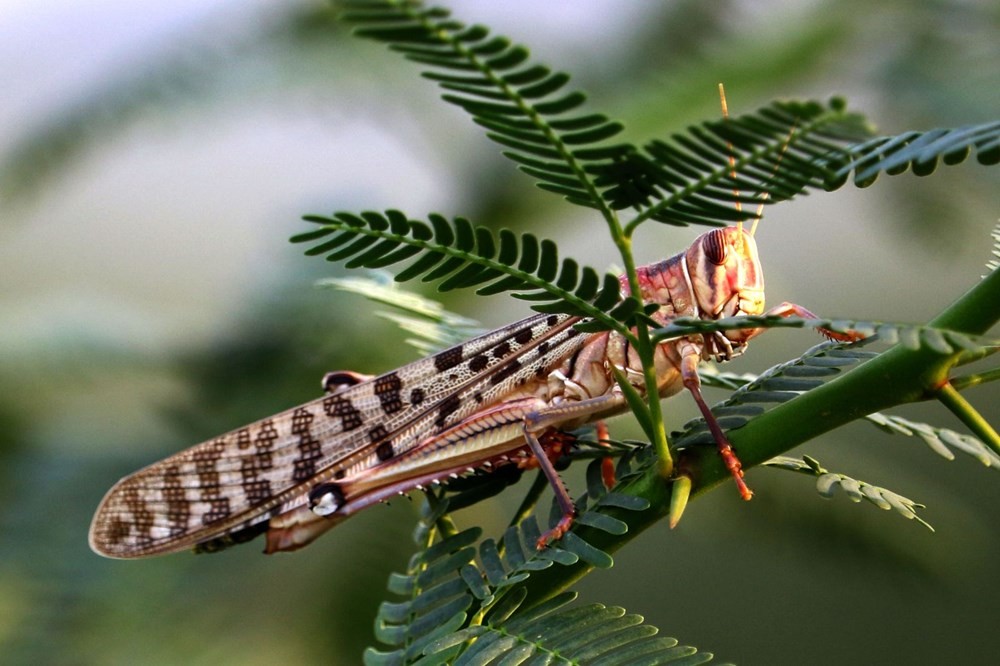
(235, 483)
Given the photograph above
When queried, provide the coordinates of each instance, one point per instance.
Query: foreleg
(792, 310)
(690, 357)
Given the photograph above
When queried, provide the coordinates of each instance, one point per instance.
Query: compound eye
(715, 246)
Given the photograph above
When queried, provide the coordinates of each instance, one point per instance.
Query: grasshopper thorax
(726, 277)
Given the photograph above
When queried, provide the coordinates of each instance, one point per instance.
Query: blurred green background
(154, 160)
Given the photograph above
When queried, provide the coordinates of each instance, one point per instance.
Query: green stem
(968, 381)
(445, 526)
(645, 348)
(967, 414)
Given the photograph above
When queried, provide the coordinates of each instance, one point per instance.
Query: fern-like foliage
(459, 254)
(827, 482)
(433, 327)
(942, 341)
(453, 607)
(523, 106)
(920, 152)
(994, 263)
(705, 174)
(774, 386)
(754, 393)
(937, 439)
(551, 633)
(687, 179)
(700, 176)
(463, 604)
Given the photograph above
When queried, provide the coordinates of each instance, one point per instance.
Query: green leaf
(524, 105)
(462, 255)
(856, 490)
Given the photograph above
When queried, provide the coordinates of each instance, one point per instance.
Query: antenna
(732, 165)
(732, 161)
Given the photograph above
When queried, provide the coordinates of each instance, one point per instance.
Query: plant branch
(645, 348)
(968, 415)
(968, 381)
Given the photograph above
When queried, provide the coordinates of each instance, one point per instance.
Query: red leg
(541, 421)
(607, 464)
(791, 309)
(562, 495)
(689, 375)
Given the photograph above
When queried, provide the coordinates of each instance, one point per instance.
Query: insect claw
(736, 470)
(836, 336)
(556, 532)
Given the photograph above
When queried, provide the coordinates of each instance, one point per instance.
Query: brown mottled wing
(241, 479)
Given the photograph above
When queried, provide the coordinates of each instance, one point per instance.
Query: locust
(500, 399)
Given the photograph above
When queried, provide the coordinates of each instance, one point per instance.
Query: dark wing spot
(501, 350)
(266, 437)
(417, 396)
(478, 363)
(178, 509)
(142, 517)
(387, 388)
(448, 359)
(377, 434)
(309, 447)
(205, 459)
(384, 451)
(552, 321)
(238, 536)
(117, 531)
(506, 370)
(350, 417)
(219, 511)
(523, 336)
(258, 491)
(243, 438)
(448, 407)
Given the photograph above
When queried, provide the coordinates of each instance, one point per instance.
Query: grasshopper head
(727, 277)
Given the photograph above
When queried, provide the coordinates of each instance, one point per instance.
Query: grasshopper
(500, 399)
